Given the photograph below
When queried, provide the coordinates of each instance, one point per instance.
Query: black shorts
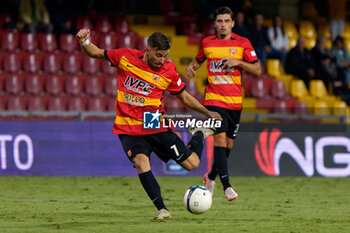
(230, 123)
(166, 145)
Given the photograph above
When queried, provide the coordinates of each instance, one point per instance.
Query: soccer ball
(197, 199)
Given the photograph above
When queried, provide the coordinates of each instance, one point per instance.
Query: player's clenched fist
(83, 35)
(190, 73)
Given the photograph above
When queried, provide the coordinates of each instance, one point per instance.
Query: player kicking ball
(143, 76)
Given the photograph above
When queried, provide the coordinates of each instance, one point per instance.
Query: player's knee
(193, 162)
(220, 140)
(141, 163)
(229, 144)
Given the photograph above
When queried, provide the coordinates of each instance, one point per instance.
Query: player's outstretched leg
(198, 135)
(206, 132)
(151, 185)
(196, 146)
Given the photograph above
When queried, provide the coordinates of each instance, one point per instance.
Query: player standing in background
(143, 76)
(227, 54)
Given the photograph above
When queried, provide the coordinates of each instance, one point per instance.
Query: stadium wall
(291, 150)
(88, 148)
(71, 148)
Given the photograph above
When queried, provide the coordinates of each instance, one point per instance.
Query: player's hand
(83, 35)
(215, 115)
(190, 72)
(229, 63)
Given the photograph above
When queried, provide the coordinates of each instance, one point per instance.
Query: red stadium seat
(281, 106)
(84, 22)
(142, 43)
(121, 26)
(52, 63)
(103, 25)
(28, 42)
(12, 62)
(9, 40)
(94, 85)
(268, 80)
(195, 38)
(32, 62)
(173, 104)
(48, 42)
(72, 63)
(111, 104)
(91, 65)
(190, 28)
(300, 108)
(258, 89)
(247, 83)
(2, 81)
(97, 104)
(265, 103)
(111, 85)
(108, 69)
(74, 85)
(2, 103)
(54, 85)
(34, 84)
(68, 43)
(16, 103)
(37, 103)
(56, 103)
(108, 42)
(191, 87)
(94, 37)
(127, 41)
(14, 84)
(278, 90)
(76, 104)
(1, 57)
(208, 28)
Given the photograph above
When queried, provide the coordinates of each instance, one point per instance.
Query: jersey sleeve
(249, 54)
(201, 56)
(176, 85)
(113, 56)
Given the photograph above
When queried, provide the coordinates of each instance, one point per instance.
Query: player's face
(155, 57)
(224, 25)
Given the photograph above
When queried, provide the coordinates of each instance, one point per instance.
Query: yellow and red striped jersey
(224, 86)
(140, 89)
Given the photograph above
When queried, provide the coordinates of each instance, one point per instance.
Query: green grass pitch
(119, 204)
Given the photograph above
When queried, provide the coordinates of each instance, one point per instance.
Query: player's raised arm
(193, 103)
(89, 48)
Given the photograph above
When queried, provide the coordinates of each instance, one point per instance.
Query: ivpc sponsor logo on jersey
(271, 146)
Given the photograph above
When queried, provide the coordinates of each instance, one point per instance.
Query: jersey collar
(233, 37)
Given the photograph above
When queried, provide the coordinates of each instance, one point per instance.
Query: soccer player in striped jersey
(143, 76)
(227, 54)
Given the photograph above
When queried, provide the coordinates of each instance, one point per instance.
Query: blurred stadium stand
(49, 72)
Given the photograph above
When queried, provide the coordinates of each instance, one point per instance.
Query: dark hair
(224, 10)
(159, 41)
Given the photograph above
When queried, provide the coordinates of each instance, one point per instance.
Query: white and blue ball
(197, 199)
